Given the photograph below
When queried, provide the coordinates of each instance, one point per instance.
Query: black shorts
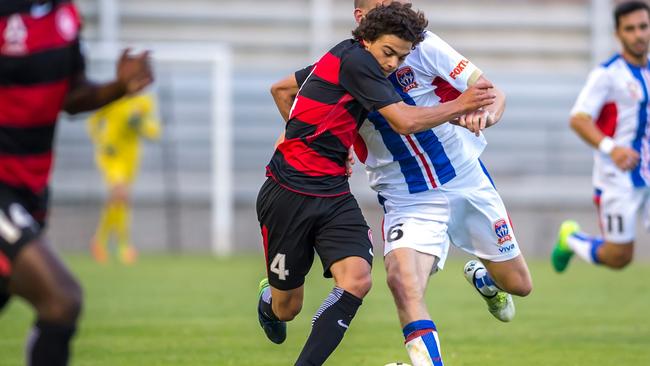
(294, 225)
(22, 217)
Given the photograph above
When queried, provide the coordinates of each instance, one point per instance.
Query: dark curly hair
(395, 19)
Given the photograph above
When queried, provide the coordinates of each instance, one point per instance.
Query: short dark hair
(628, 7)
(396, 19)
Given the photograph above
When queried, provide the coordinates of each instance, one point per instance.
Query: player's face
(390, 51)
(634, 33)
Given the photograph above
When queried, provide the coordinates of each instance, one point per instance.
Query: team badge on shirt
(66, 24)
(406, 78)
(502, 231)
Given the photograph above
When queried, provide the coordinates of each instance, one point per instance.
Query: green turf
(193, 310)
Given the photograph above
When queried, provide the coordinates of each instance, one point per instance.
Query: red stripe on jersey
(307, 161)
(32, 106)
(420, 156)
(265, 241)
(309, 111)
(606, 122)
(339, 122)
(361, 149)
(30, 171)
(5, 266)
(445, 91)
(57, 29)
(328, 68)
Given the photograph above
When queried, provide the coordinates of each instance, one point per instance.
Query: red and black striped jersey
(39, 53)
(334, 100)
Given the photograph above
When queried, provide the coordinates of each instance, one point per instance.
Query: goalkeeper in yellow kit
(116, 130)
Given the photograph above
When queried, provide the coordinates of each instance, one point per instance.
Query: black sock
(49, 344)
(328, 327)
(267, 308)
(4, 300)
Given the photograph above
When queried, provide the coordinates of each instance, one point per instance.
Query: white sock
(585, 246)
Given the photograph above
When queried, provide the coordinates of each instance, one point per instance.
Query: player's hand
(476, 96)
(134, 71)
(625, 158)
(476, 121)
(349, 163)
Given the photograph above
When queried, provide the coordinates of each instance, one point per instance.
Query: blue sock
(422, 344)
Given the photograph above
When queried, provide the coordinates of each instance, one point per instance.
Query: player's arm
(624, 157)
(133, 74)
(284, 92)
(480, 119)
(406, 119)
(590, 102)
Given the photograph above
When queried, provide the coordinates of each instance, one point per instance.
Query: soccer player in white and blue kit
(611, 115)
(434, 192)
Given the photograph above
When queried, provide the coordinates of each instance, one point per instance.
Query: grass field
(197, 310)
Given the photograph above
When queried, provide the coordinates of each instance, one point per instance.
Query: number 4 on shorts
(278, 266)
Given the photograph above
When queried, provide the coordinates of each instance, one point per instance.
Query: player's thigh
(42, 279)
(287, 223)
(418, 222)
(480, 224)
(618, 213)
(342, 232)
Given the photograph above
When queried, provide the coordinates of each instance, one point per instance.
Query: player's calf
(500, 303)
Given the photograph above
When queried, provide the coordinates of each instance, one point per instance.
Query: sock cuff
(349, 298)
(595, 244)
(418, 325)
(53, 328)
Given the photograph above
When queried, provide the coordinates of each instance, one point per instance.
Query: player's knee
(404, 290)
(65, 306)
(361, 285)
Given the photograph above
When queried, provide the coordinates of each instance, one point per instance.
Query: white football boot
(500, 305)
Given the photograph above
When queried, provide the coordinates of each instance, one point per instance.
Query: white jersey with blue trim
(616, 98)
(432, 74)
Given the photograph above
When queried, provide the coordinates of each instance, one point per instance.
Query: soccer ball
(397, 364)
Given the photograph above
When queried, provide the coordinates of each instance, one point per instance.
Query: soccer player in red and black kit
(42, 73)
(306, 205)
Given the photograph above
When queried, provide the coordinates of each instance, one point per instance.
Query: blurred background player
(611, 115)
(116, 130)
(42, 72)
(306, 204)
(424, 213)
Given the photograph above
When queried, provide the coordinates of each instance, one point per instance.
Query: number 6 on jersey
(278, 266)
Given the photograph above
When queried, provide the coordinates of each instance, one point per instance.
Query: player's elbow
(404, 126)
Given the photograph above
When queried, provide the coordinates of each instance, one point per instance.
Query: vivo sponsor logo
(507, 249)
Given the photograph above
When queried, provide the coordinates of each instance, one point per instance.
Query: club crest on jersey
(406, 78)
(635, 90)
(502, 231)
(66, 24)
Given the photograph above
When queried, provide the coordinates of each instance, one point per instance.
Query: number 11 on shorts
(278, 266)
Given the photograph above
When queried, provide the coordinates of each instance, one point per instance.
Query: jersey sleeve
(78, 61)
(302, 74)
(593, 95)
(438, 58)
(361, 76)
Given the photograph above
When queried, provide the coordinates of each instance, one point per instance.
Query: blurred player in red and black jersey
(306, 205)
(42, 73)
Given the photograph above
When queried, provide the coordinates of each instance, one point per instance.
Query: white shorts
(618, 208)
(466, 212)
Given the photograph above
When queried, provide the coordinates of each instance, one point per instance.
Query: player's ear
(358, 15)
